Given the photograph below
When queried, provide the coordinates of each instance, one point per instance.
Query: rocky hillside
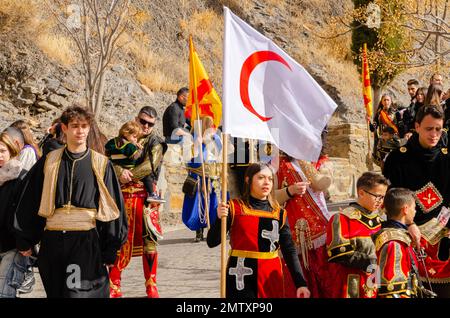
(40, 71)
(40, 68)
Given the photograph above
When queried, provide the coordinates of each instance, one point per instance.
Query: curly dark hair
(76, 112)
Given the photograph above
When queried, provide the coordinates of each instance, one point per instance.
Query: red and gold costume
(433, 232)
(351, 252)
(308, 217)
(139, 243)
(142, 236)
(397, 262)
(254, 268)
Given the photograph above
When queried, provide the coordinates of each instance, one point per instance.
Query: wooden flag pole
(251, 150)
(199, 131)
(223, 232)
(369, 159)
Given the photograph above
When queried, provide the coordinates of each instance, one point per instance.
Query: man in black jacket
(174, 120)
(405, 118)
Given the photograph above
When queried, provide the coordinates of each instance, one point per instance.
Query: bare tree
(96, 27)
(428, 26)
(425, 23)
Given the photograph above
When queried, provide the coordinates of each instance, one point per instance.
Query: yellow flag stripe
(200, 88)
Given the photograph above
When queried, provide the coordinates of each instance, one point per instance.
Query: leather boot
(150, 261)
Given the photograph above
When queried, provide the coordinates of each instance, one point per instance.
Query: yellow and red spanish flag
(367, 90)
(208, 101)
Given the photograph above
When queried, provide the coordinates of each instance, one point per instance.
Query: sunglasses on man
(144, 122)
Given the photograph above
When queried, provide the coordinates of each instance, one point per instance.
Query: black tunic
(414, 169)
(413, 166)
(62, 251)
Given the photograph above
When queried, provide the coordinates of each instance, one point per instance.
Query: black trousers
(70, 265)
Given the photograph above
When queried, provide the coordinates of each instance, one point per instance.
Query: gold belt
(133, 189)
(212, 170)
(250, 254)
(71, 219)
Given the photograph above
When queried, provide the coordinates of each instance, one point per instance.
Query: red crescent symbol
(247, 68)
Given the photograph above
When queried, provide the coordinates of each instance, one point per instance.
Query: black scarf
(262, 205)
(423, 153)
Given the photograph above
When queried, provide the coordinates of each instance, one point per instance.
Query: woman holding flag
(202, 186)
(258, 229)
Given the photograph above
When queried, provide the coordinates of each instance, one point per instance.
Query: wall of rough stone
(347, 147)
(170, 184)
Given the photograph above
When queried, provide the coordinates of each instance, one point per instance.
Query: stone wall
(170, 183)
(347, 146)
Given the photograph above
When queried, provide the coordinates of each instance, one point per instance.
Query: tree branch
(110, 23)
(425, 19)
(424, 30)
(333, 36)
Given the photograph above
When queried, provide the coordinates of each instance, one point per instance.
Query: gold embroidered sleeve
(142, 170)
(339, 245)
(393, 281)
(157, 155)
(118, 170)
(146, 167)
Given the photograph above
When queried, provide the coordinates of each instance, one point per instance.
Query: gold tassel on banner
(303, 233)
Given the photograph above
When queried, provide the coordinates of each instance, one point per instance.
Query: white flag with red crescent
(267, 95)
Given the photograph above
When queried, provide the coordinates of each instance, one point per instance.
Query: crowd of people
(393, 124)
(79, 206)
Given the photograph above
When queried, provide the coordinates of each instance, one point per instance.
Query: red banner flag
(367, 90)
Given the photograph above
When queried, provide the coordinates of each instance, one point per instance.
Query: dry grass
(237, 6)
(331, 59)
(157, 81)
(28, 18)
(150, 68)
(18, 15)
(169, 72)
(142, 54)
(58, 48)
(206, 27)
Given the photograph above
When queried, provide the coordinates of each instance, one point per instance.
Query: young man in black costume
(73, 205)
